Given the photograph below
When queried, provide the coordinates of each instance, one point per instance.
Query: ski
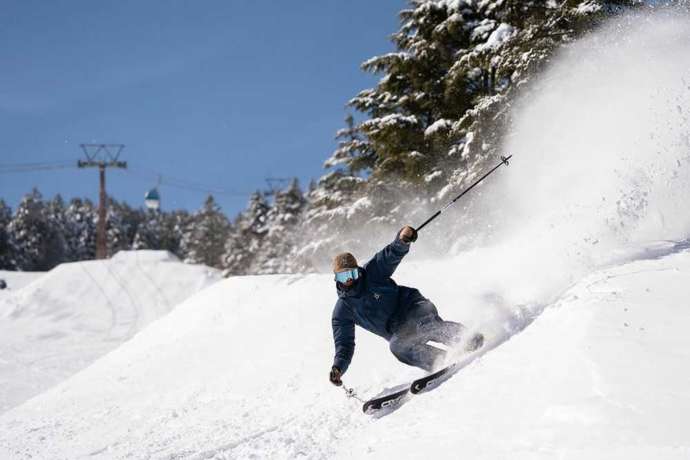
(417, 386)
(393, 399)
(423, 383)
(384, 402)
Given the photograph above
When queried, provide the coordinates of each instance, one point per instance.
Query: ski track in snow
(66, 318)
(111, 306)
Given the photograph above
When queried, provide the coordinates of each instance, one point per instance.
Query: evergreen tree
(122, 225)
(245, 241)
(205, 236)
(80, 232)
(31, 235)
(282, 221)
(174, 224)
(353, 154)
(329, 218)
(57, 223)
(148, 235)
(6, 250)
(417, 95)
(435, 119)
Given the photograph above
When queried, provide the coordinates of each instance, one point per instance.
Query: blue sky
(219, 93)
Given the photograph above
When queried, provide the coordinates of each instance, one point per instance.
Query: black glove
(407, 234)
(335, 375)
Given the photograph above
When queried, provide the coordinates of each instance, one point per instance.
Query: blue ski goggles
(347, 275)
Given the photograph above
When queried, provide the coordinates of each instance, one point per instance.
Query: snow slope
(586, 320)
(67, 318)
(240, 371)
(17, 280)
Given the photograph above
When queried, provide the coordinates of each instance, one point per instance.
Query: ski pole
(504, 161)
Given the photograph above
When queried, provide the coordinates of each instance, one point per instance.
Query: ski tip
(385, 402)
(431, 380)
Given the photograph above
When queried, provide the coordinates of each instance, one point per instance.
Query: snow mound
(77, 312)
(17, 280)
(145, 255)
(240, 371)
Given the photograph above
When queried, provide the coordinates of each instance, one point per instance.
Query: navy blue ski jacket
(375, 302)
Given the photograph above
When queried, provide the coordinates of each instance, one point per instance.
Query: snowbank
(72, 315)
(17, 280)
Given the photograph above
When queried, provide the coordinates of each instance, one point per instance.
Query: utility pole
(102, 156)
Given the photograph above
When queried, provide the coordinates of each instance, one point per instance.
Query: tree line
(41, 234)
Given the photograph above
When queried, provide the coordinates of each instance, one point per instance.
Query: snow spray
(601, 145)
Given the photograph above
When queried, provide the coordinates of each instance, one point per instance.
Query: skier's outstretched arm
(344, 338)
(383, 264)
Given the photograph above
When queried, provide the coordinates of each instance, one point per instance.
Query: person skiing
(369, 298)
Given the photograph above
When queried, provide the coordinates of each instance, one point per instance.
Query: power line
(35, 169)
(169, 181)
(40, 163)
(143, 173)
(31, 167)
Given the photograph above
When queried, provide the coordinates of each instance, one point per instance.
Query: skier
(369, 298)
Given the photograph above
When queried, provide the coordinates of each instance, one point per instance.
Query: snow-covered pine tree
(122, 225)
(6, 250)
(31, 235)
(172, 230)
(161, 231)
(282, 221)
(395, 155)
(205, 236)
(413, 107)
(328, 218)
(435, 119)
(80, 230)
(245, 240)
(57, 222)
(353, 154)
(149, 230)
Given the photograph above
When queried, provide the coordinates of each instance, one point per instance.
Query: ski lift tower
(102, 156)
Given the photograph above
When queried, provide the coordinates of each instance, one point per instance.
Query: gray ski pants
(423, 324)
